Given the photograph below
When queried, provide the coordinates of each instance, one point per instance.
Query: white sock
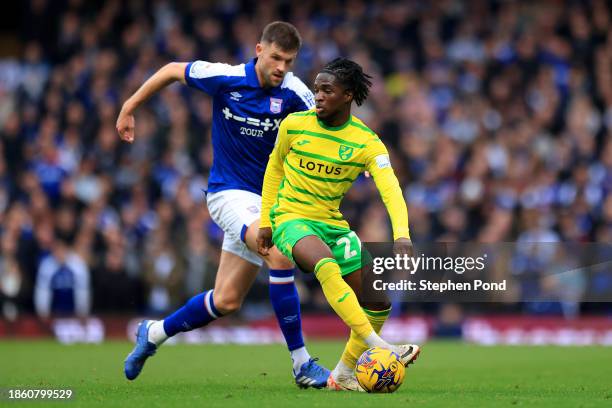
(342, 371)
(299, 357)
(374, 340)
(157, 335)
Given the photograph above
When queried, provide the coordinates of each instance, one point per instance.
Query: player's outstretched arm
(172, 72)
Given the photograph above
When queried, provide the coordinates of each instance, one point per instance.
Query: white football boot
(344, 383)
(408, 353)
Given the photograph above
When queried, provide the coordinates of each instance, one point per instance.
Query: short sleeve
(303, 99)
(210, 77)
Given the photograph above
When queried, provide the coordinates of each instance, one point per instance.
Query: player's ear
(348, 96)
(258, 49)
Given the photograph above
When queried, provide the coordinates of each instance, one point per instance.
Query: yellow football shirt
(312, 167)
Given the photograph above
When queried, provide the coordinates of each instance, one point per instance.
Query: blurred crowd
(497, 115)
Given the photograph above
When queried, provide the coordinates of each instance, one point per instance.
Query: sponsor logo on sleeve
(383, 161)
(198, 69)
(254, 209)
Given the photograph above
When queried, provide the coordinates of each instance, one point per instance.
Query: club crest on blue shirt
(345, 152)
(276, 105)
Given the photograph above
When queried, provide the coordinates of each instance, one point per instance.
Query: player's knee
(276, 260)
(227, 303)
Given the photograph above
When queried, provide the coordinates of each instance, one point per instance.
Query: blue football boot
(142, 350)
(312, 374)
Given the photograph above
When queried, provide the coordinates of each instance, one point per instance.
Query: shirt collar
(251, 76)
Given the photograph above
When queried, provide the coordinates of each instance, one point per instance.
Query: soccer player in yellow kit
(318, 155)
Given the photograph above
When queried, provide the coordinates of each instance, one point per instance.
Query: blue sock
(286, 304)
(197, 312)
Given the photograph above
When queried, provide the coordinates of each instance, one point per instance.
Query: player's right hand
(264, 241)
(403, 246)
(125, 126)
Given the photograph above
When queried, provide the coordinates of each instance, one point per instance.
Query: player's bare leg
(286, 303)
(235, 277)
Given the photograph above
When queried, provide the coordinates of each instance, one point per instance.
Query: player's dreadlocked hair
(351, 75)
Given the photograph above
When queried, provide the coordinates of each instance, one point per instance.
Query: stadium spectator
(12, 288)
(114, 291)
(63, 283)
(163, 273)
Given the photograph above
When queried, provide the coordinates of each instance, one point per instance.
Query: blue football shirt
(246, 118)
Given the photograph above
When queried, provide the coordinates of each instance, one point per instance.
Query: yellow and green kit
(310, 170)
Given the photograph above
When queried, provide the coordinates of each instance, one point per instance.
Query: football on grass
(379, 370)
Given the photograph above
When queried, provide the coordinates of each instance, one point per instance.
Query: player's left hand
(403, 246)
(264, 241)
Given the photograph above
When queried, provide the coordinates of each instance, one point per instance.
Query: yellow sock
(356, 345)
(341, 297)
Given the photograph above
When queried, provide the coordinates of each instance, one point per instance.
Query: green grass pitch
(446, 375)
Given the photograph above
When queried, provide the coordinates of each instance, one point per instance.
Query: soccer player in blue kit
(249, 102)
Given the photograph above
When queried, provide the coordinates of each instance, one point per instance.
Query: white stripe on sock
(207, 304)
(274, 279)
